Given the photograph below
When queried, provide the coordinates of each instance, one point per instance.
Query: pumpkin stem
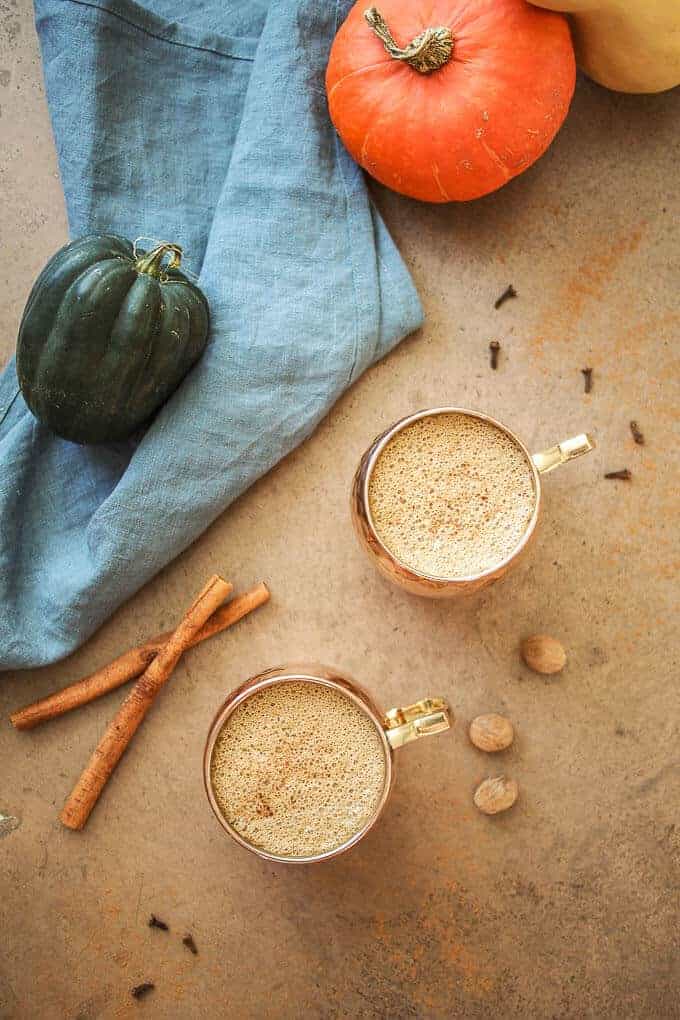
(427, 52)
(152, 262)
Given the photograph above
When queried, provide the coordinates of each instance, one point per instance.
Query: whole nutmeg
(543, 654)
(497, 794)
(491, 732)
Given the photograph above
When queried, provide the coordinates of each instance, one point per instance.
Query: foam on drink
(451, 495)
(298, 769)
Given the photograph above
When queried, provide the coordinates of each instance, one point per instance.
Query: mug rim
(259, 683)
(377, 448)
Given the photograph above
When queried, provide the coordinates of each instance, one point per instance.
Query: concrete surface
(566, 907)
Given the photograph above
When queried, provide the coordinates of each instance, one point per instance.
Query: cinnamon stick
(131, 713)
(131, 664)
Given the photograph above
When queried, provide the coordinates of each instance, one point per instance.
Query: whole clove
(139, 991)
(494, 348)
(587, 379)
(155, 922)
(624, 474)
(508, 293)
(188, 941)
(637, 435)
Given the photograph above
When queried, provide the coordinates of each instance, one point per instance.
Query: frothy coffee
(298, 769)
(451, 495)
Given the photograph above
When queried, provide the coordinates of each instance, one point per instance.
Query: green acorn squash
(106, 336)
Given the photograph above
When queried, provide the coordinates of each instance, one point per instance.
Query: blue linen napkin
(210, 130)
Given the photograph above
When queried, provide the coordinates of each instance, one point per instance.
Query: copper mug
(410, 578)
(396, 727)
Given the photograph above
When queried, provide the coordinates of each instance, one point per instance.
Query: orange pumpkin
(447, 100)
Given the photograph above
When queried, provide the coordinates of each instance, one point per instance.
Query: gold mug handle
(423, 719)
(569, 449)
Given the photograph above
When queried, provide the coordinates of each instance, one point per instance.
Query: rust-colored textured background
(567, 907)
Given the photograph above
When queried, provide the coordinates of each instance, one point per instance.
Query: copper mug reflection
(410, 578)
(396, 727)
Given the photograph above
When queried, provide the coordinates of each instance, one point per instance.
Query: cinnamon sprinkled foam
(298, 769)
(451, 496)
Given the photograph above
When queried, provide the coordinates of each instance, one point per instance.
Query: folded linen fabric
(209, 130)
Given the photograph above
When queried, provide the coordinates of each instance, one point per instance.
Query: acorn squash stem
(152, 262)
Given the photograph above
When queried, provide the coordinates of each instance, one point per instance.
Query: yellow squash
(626, 45)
